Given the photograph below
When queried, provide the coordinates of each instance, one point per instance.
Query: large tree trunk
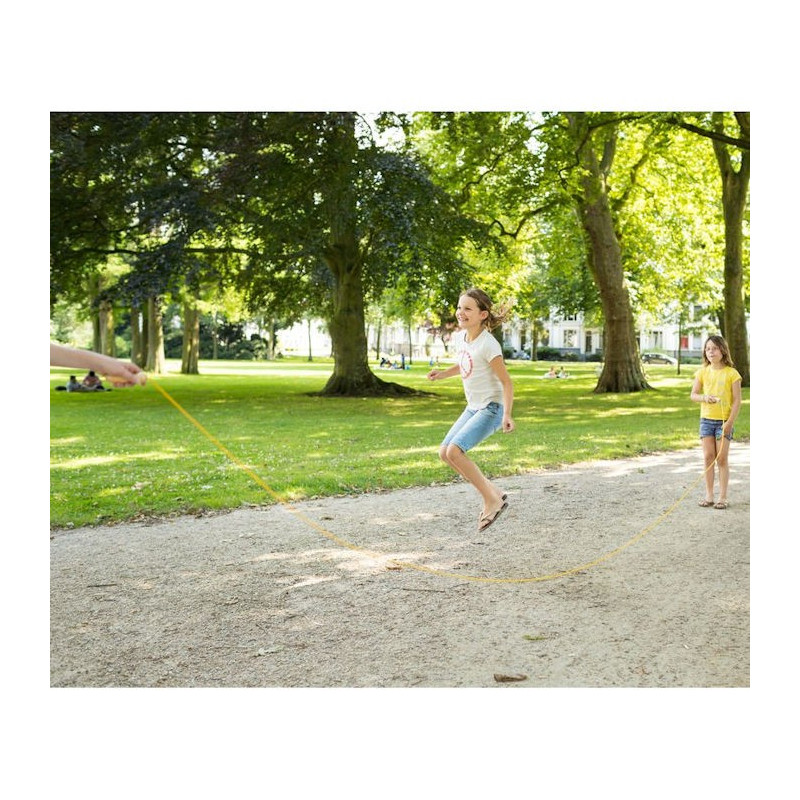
(156, 361)
(734, 199)
(190, 354)
(138, 348)
(351, 373)
(105, 316)
(622, 370)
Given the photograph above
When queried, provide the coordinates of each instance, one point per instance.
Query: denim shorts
(472, 427)
(713, 427)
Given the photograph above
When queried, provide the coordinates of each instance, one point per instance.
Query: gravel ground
(317, 595)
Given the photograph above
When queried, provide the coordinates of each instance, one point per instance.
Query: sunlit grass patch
(127, 453)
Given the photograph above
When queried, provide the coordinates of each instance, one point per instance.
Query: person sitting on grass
(72, 386)
(92, 383)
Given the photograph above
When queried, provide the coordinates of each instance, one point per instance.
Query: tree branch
(466, 193)
(717, 136)
(525, 218)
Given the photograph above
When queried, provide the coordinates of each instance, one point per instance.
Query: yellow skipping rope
(397, 564)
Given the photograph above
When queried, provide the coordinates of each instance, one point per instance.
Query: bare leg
(724, 469)
(709, 454)
(469, 470)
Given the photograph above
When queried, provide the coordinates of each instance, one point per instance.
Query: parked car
(658, 358)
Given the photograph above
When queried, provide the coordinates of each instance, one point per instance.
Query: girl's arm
(736, 391)
(499, 368)
(697, 396)
(438, 374)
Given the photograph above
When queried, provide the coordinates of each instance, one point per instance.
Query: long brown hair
(494, 318)
(723, 348)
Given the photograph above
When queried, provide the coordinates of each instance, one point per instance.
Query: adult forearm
(61, 356)
(120, 372)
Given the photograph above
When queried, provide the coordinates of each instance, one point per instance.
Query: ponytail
(494, 318)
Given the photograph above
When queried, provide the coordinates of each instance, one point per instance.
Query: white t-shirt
(481, 385)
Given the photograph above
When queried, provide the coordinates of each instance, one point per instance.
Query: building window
(570, 336)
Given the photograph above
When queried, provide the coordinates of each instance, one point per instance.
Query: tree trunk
(734, 199)
(273, 340)
(191, 338)
(310, 348)
(214, 337)
(105, 317)
(622, 370)
(93, 292)
(351, 373)
(138, 349)
(155, 338)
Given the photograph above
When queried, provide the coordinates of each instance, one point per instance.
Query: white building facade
(569, 335)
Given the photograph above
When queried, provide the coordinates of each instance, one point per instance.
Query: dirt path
(260, 597)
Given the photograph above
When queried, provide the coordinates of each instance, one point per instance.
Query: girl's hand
(434, 374)
(711, 399)
(727, 429)
(508, 425)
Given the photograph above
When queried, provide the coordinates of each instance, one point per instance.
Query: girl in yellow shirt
(718, 388)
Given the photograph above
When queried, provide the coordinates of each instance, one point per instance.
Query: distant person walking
(489, 393)
(718, 388)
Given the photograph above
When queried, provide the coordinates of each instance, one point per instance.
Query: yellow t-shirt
(717, 382)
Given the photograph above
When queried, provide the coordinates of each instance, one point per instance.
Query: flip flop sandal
(706, 503)
(503, 497)
(721, 504)
(485, 522)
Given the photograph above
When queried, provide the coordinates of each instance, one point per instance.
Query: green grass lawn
(129, 453)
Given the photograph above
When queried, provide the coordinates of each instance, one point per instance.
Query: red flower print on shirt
(465, 364)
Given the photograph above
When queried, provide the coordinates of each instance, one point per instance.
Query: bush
(173, 344)
(548, 354)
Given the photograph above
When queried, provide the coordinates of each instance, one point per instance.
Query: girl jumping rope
(489, 393)
(718, 388)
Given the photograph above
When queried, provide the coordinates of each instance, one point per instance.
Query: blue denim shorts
(472, 427)
(713, 427)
